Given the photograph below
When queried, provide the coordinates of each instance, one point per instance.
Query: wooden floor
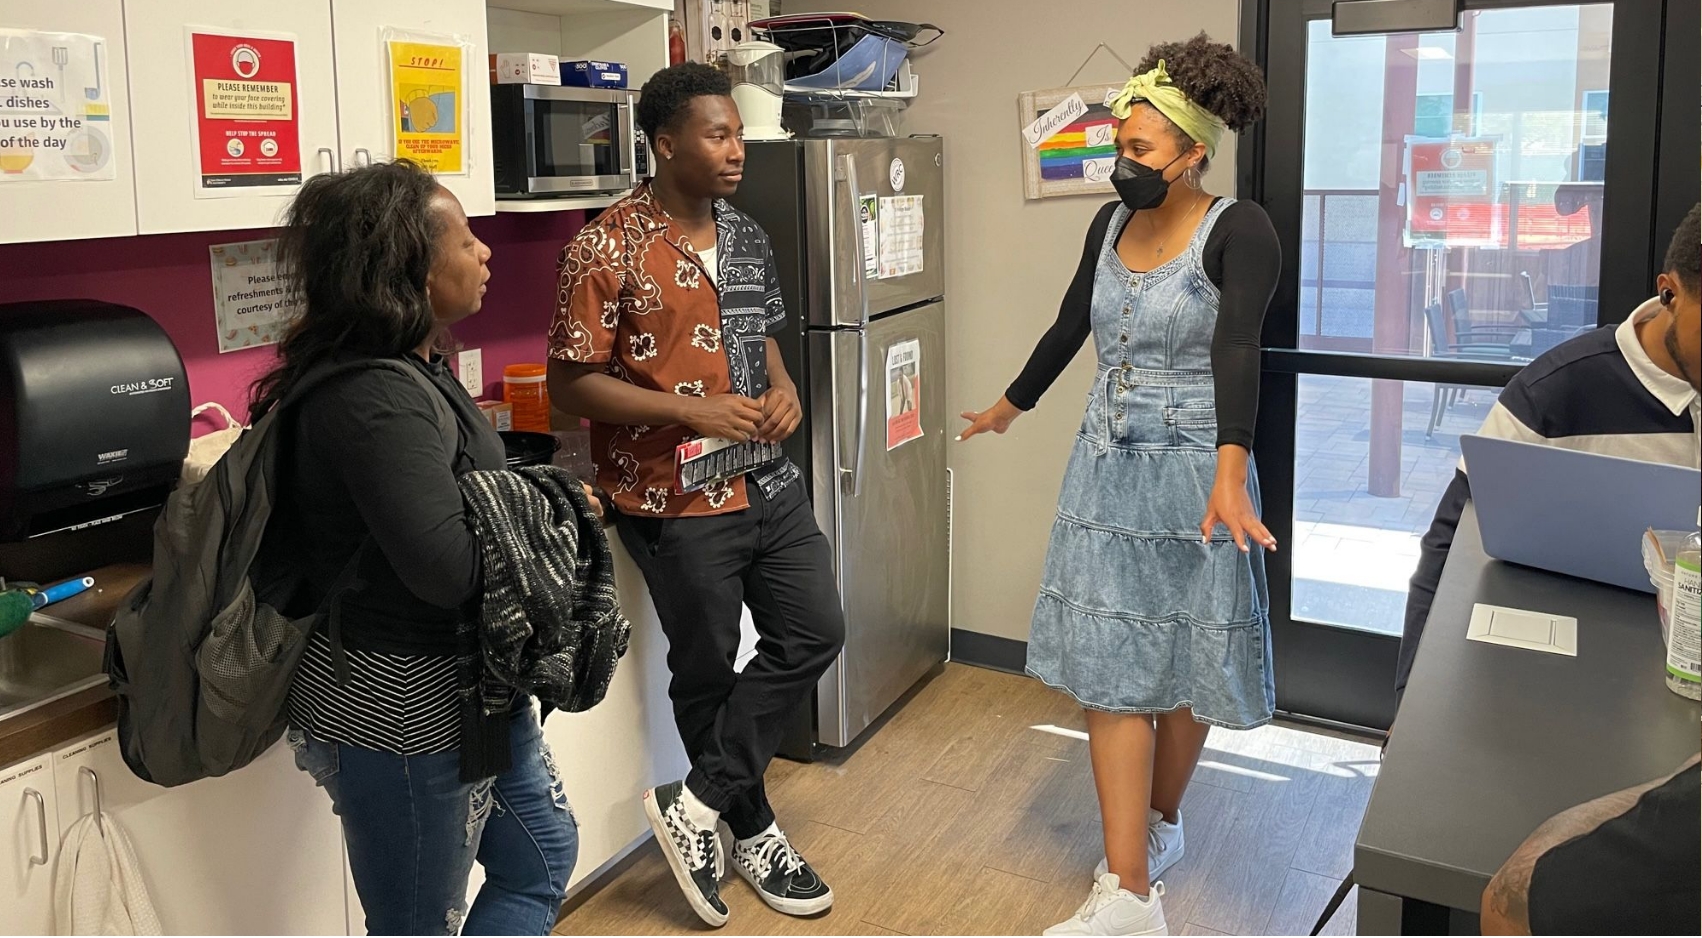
(972, 812)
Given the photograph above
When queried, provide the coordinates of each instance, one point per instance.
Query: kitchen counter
(60, 721)
(607, 756)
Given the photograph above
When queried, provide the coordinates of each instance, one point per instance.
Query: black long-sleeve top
(368, 457)
(1242, 259)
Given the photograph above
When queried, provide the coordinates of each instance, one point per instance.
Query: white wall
(610, 754)
(1009, 260)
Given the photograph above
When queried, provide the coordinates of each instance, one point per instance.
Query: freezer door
(881, 493)
(877, 218)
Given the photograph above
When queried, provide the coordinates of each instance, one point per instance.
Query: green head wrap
(1156, 89)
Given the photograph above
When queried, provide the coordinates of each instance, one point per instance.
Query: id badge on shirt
(704, 462)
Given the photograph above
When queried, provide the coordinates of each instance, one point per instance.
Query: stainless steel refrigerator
(857, 226)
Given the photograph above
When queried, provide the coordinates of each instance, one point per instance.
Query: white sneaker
(1163, 846)
(1113, 910)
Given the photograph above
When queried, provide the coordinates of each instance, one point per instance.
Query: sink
(48, 659)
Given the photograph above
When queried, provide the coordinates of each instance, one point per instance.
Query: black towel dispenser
(94, 415)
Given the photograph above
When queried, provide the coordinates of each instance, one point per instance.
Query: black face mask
(1139, 185)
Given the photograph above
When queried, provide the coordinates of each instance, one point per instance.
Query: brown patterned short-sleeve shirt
(634, 296)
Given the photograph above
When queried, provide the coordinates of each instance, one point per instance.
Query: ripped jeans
(413, 830)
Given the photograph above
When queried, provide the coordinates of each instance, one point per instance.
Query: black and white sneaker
(779, 874)
(693, 852)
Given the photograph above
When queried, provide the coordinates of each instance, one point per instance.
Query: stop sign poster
(246, 124)
(1451, 192)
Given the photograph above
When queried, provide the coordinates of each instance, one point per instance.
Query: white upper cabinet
(169, 165)
(33, 209)
(366, 113)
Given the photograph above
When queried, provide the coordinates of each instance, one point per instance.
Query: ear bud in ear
(1667, 296)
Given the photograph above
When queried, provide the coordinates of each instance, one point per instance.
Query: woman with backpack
(381, 261)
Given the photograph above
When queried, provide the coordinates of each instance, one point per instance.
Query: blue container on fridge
(591, 74)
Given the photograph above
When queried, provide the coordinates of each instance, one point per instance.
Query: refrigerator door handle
(862, 412)
(848, 164)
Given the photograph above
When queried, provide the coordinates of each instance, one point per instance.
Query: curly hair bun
(1214, 76)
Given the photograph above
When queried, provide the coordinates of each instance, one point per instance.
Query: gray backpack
(201, 665)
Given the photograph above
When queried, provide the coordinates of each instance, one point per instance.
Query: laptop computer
(1581, 514)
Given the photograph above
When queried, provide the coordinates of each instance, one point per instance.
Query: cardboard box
(525, 68)
(499, 413)
(594, 74)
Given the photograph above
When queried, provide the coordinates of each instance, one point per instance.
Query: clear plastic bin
(1660, 573)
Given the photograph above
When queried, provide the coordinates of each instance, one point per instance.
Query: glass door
(1451, 205)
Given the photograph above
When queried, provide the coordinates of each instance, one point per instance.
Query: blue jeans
(413, 830)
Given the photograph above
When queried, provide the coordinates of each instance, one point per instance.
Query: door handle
(41, 826)
(862, 410)
(363, 157)
(629, 141)
(328, 158)
(848, 164)
(94, 779)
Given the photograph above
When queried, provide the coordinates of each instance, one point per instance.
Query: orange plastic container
(524, 387)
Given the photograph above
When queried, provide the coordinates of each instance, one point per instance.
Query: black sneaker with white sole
(693, 852)
(779, 874)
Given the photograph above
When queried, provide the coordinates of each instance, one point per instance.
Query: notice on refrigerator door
(900, 227)
(903, 393)
(246, 125)
(426, 104)
(869, 216)
(55, 113)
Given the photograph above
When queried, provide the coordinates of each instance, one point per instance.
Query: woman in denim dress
(1153, 612)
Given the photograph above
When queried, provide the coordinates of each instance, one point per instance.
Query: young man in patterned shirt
(661, 336)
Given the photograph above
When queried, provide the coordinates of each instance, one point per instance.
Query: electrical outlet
(471, 363)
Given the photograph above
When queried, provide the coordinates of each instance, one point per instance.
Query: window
(1594, 112)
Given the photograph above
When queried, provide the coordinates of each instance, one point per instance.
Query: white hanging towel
(97, 887)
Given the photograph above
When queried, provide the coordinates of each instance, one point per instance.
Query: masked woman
(1153, 613)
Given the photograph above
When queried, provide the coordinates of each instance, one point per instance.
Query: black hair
(1214, 76)
(353, 257)
(1684, 254)
(668, 92)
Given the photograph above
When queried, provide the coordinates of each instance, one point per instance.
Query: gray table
(1491, 741)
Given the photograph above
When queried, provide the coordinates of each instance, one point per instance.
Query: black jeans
(773, 558)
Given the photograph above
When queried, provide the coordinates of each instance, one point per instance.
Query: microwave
(555, 140)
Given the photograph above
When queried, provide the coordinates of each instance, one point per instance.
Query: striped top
(402, 704)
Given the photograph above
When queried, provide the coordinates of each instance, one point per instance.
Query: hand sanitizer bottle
(1684, 639)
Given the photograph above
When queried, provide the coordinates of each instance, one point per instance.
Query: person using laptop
(1629, 391)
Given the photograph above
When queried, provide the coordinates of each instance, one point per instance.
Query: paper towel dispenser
(94, 415)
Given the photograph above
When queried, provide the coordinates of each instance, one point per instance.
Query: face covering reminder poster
(246, 126)
(55, 116)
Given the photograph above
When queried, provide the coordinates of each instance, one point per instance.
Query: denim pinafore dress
(1135, 614)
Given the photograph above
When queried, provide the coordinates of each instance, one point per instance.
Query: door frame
(1343, 675)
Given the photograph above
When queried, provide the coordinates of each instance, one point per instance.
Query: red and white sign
(1452, 192)
(247, 129)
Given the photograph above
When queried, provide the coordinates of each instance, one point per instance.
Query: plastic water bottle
(1684, 640)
